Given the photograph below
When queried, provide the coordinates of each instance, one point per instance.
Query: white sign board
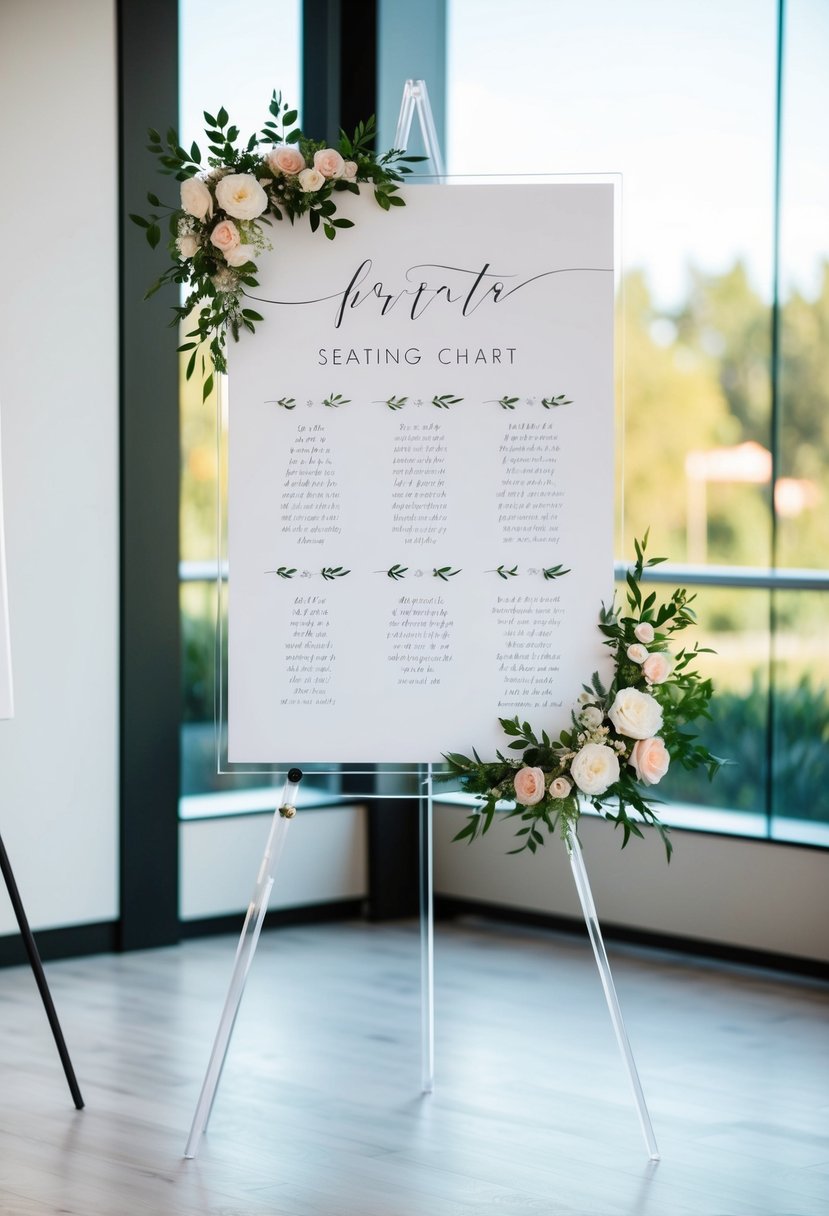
(421, 475)
(6, 699)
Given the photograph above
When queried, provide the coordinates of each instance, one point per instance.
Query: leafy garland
(622, 739)
(218, 232)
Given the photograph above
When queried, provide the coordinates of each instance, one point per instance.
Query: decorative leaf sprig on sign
(622, 738)
(236, 191)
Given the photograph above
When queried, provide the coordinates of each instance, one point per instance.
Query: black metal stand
(40, 978)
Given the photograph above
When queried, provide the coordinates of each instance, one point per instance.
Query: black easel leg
(40, 978)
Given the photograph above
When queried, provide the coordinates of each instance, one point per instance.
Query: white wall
(325, 858)
(59, 394)
(746, 893)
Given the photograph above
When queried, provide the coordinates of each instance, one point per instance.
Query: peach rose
(349, 171)
(595, 768)
(196, 199)
(650, 759)
(529, 786)
(644, 632)
(329, 163)
(239, 255)
(637, 653)
(225, 236)
(560, 787)
(310, 180)
(240, 195)
(286, 159)
(636, 714)
(656, 668)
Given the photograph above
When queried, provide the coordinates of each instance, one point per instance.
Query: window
(725, 309)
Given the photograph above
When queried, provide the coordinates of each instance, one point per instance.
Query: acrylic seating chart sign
(420, 516)
(6, 698)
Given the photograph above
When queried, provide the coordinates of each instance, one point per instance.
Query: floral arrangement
(227, 204)
(623, 737)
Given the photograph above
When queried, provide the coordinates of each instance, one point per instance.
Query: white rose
(595, 768)
(239, 255)
(644, 632)
(637, 653)
(329, 162)
(592, 717)
(240, 195)
(635, 714)
(349, 171)
(187, 245)
(310, 180)
(196, 199)
(560, 787)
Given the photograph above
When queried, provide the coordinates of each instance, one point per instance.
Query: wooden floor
(319, 1112)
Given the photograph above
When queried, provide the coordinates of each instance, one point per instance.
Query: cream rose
(239, 255)
(310, 180)
(240, 195)
(560, 787)
(635, 714)
(529, 786)
(650, 759)
(286, 160)
(656, 668)
(591, 717)
(349, 171)
(637, 653)
(595, 768)
(196, 199)
(225, 236)
(329, 163)
(644, 632)
(187, 245)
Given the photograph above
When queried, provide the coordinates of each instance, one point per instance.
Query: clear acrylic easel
(415, 101)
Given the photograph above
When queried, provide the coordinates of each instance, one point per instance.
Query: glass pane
(232, 56)
(802, 492)
(664, 93)
(733, 621)
(800, 788)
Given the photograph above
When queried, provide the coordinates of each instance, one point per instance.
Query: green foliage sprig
(232, 193)
(622, 737)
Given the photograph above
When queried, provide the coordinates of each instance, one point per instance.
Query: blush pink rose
(637, 653)
(650, 758)
(560, 787)
(656, 668)
(286, 160)
(349, 171)
(225, 236)
(529, 786)
(644, 632)
(329, 163)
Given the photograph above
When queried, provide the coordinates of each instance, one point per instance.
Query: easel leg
(427, 941)
(591, 919)
(40, 978)
(245, 951)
